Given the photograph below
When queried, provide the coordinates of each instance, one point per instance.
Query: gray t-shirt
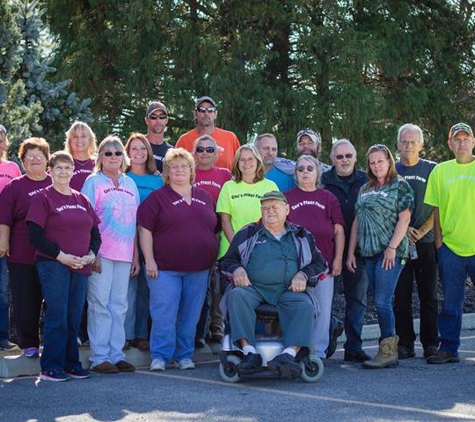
(417, 177)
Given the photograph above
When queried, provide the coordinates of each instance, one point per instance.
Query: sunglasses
(116, 153)
(341, 156)
(205, 109)
(209, 150)
(155, 117)
(301, 169)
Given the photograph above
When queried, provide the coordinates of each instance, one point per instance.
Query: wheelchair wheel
(312, 368)
(228, 372)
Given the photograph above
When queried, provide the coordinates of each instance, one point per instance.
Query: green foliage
(347, 68)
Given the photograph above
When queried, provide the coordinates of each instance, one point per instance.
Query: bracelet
(390, 247)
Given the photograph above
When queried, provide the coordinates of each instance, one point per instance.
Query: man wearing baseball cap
(451, 191)
(275, 262)
(309, 142)
(205, 115)
(156, 120)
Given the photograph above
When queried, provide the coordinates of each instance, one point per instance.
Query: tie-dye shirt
(116, 207)
(378, 213)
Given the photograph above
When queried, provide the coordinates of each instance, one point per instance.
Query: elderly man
(344, 181)
(266, 144)
(422, 263)
(156, 120)
(451, 191)
(273, 262)
(205, 114)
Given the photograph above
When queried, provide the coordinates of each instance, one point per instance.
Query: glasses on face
(157, 116)
(39, 157)
(116, 153)
(341, 156)
(301, 169)
(205, 109)
(209, 150)
(267, 208)
(63, 168)
(176, 167)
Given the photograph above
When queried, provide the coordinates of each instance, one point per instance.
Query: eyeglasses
(39, 157)
(209, 150)
(116, 153)
(179, 167)
(267, 208)
(206, 109)
(61, 168)
(156, 116)
(341, 156)
(301, 169)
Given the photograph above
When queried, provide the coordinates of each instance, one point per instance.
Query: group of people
(136, 233)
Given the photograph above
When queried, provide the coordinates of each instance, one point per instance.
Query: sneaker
(442, 357)
(78, 373)
(404, 352)
(430, 351)
(105, 368)
(336, 332)
(8, 346)
(285, 366)
(158, 365)
(359, 356)
(31, 352)
(54, 376)
(142, 344)
(185, 364)
(124, 366)
(250, 364)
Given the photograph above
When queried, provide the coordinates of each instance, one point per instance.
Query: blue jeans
(138, 297)
(64, 292)
(453, 271)
(176, 299)
(383, 284)
(355, 287)
(4, 300)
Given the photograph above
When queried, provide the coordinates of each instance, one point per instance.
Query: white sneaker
(157, 365)
(185, 364)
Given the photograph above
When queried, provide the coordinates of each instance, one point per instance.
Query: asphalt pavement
(414, 391)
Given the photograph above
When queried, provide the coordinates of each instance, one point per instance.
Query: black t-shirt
(159, 152)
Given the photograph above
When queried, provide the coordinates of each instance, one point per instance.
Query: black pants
(424, 270)
(27, 298)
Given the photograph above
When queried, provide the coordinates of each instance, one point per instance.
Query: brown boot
(387, 355)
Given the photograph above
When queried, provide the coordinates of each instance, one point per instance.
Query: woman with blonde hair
(178, 236)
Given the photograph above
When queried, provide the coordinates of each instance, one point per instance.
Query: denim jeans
(424, 270)
(383, 283)
(176, 299)
(64, 292)
(107, 306)
(453, 271)
(4, 300)
(138, 297)
(355, 287)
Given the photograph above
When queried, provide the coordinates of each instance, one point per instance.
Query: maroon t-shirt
(212, 180)
(184, 236)
(15, 201)
(82, 170)
(67, 220)
(318, 212)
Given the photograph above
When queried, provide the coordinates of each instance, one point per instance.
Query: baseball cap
(274, 194)
(3, 129)
(314, 136)
(203, 99)
(153, 107)
(460, 127)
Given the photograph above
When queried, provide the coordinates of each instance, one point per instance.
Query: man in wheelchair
(275, 262)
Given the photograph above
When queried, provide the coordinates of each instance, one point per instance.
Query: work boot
(387, 355)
